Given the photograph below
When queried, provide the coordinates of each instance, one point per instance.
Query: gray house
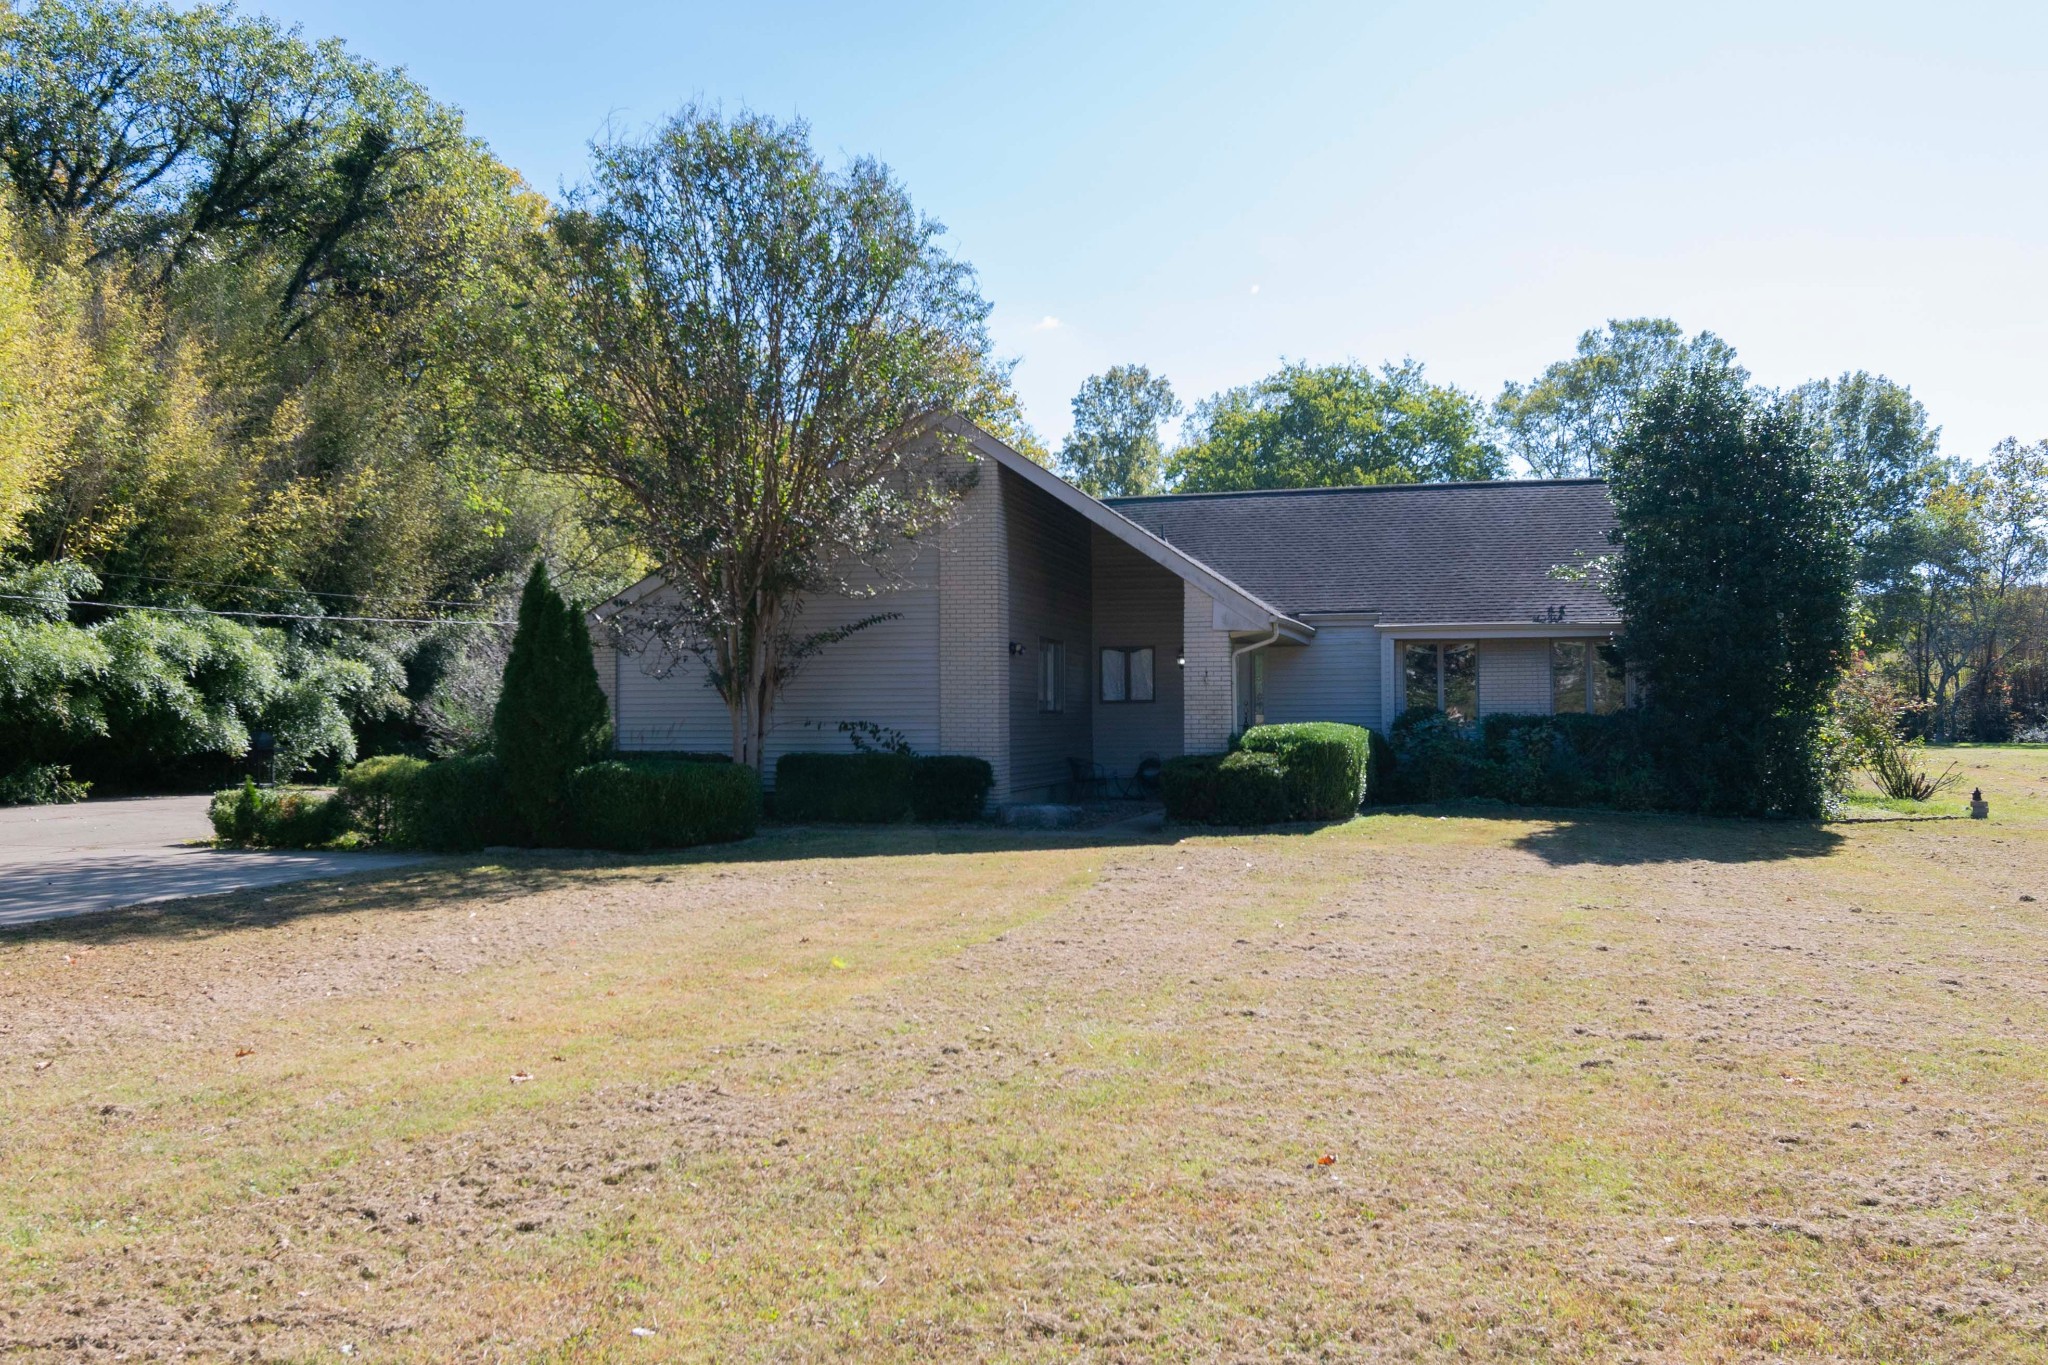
(1058, 635)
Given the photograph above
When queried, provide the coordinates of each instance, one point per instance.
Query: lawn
(1441, 1084)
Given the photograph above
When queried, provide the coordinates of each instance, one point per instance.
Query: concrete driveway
(102, 855)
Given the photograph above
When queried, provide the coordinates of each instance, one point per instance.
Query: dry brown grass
(1600, 1088)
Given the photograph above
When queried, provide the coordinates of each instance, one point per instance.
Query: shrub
(372, 790)
(868, 788)
(1438, 760)
(1187, 786)
(637, 804)
(259, 817)
(455, 805)
(949, 787)
(1382, 776)
(41, 784)
(551, 713)
(1324, 764)
(1251, 789)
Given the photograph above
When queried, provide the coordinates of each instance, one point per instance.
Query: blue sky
(1208, 188)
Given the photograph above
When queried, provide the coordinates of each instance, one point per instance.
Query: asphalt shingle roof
(1465, 552)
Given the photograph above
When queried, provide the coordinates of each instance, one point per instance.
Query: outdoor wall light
(1015, 649)
(1183, 659)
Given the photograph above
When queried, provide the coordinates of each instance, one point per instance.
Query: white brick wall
(1205, 704)
(974, 663)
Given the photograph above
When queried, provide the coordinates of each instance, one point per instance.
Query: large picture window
(1586, 676)
(1443, 676)
(1127, 674)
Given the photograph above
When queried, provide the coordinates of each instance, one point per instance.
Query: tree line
(1951, 553)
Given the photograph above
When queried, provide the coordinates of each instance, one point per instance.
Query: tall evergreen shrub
(1735, 572)
(551, 717)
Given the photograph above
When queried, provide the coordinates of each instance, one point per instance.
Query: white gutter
(1238, 653)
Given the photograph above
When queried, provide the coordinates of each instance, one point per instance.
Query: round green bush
(950, 787)
(1251, 789)
(1324, 764)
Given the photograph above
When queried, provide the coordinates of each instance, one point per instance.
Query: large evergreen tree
(551, 714)
(1736, 571)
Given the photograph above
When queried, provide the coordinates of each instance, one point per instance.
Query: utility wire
(269, 615)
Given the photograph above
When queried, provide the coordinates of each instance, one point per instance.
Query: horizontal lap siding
(1049, 600)
(1137, 603)
(886, 673)
(1335, 676)
(1514, 677)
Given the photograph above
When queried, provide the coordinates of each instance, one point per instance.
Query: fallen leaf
(839, 964)
(1326, 1160)
(519, 1076)
(245, 1052)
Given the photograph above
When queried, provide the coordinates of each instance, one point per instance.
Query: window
(1586, 676)
(1051, 663)
(1443, 677)
(1567, 677)
(1610, 680)
(1127, 674)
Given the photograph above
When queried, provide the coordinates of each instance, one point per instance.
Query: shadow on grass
(1619, 839)
(506, 875)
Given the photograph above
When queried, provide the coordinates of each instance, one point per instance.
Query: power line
(270, 615)
(293, 592)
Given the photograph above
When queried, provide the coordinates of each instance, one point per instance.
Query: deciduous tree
(1315, 426)
(748, 357)
(1114, 449)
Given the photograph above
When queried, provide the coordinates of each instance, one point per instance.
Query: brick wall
(1205, 703)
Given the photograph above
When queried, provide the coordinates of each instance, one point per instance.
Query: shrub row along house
(1078, 643)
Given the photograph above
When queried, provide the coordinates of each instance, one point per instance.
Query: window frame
(1125, 655)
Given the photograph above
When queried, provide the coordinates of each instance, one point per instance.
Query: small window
(1127, 674)
(1051, 664)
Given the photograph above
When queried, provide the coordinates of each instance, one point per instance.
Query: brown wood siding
(1137, 603)
(1049, 600)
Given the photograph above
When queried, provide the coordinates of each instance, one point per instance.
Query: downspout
(1236, 654)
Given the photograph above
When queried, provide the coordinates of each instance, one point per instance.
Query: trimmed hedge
(250, 816)
(858, 789)
(1242, 788)
(1565, 760)
(636, 804)
(372, 790)
(1251, 789)
(1187, 786)
(950, 787)
(1323, 762)
(457, 805)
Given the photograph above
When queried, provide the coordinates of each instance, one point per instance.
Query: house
(1055, 634)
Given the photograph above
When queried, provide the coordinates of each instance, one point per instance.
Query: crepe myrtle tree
(747, 359)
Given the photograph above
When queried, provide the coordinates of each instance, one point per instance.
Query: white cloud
(1255, 289)
(1047, 323)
